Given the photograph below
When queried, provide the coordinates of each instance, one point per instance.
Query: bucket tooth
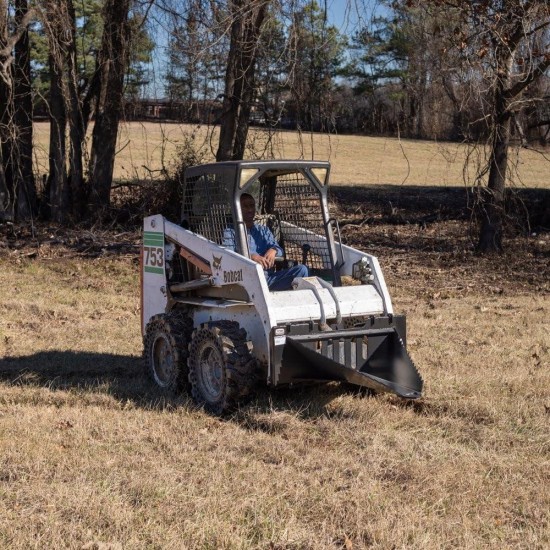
(391, 365)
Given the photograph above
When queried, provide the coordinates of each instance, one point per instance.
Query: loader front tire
(222, 370)
(165, 351)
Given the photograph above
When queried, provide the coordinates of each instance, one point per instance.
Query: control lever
(305, 251)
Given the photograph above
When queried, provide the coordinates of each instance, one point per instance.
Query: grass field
(92, 457)
(145, 148)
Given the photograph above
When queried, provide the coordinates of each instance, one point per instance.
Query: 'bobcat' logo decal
(216, 262)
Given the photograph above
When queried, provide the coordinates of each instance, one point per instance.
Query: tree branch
(6, 52)
(539, 124)
(537, 72)
(147, 10)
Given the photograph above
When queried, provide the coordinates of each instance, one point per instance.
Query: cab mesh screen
(297, 205)
(207, 209)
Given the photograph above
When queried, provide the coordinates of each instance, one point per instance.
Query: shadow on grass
(89, 375)
(396, 204)
(123, 378)
(270, 410)
(120, 376)
(458, 409)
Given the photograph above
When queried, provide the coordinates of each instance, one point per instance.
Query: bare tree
(58, 21)
(17, 189)
(503, 47)
(71, 101)
(6, 114)
(25, 184)
(65, 191)
(519, 25)
(112, 63)
(247, 18)
(57, 188)
(76, 118)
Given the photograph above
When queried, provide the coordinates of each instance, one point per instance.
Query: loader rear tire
(222, 370)
(165, 351)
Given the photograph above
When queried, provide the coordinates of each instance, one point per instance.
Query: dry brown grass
(145, 148)
(91, 457)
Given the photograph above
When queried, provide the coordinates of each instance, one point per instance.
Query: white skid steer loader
(209, 321)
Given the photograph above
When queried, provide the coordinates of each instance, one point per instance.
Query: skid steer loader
(210, 323)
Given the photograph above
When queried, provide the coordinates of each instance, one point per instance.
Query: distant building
(166, 109)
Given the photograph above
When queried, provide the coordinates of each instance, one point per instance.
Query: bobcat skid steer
(211, 325)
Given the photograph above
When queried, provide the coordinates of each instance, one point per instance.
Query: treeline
(445, 69)
(417, 69)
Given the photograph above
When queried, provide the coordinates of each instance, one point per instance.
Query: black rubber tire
(222, 369)
(165, 351)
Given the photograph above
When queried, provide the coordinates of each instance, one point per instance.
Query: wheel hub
(162, 360)
(211, 371)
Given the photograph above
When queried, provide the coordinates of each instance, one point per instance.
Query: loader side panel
(153, 270)
(229, 271)
(351, 256)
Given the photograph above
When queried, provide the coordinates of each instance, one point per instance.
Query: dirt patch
(423, 237)
(40, 240)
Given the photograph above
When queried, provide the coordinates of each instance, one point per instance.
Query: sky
(340, 14)
(348, 15)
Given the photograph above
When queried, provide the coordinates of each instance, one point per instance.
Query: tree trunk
(458, 131)
(243, 119)
(492, 206)
(24, 184)
(230, 100)
(248, 87)
(16, 181)
(239, 80)
(57, 186)
(77, 127)
(91, 95)
(491, 233)
(6, 115)
(112, 67)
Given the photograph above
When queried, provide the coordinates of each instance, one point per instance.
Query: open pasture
(145, 150)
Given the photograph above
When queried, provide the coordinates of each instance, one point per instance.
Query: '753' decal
(153, 258)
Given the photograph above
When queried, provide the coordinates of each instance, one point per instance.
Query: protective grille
(350, 351)
(297, 205)
(207, 208)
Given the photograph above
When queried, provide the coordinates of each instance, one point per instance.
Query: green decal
(151, 238)
(158, 270)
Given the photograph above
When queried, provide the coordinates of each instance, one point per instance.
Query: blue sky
(339, 13)
(347, 15)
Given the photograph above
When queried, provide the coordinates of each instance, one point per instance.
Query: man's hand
(267, 261)
(270, 257)
(260, 260)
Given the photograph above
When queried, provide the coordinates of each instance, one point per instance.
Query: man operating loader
(215, 324)
(264, 248)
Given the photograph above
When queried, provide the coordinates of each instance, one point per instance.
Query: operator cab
(291, 200)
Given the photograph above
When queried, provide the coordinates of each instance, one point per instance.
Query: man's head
(248, 208)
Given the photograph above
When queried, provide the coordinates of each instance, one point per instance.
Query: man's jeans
(282, 280)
